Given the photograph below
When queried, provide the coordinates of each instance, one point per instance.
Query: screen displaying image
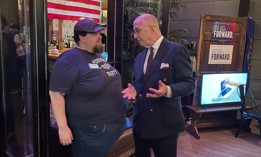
(221, 88)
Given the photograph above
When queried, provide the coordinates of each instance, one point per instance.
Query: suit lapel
(157, 60)
(141, 65)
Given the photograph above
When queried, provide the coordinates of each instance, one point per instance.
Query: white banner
(220, 54)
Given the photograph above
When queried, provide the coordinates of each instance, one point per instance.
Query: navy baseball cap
(87, 25)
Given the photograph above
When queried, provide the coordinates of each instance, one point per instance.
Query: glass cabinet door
(16, 100)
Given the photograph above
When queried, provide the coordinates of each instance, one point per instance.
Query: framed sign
(223, 31)
(220, 54)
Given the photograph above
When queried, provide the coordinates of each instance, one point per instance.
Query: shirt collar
(156, 45)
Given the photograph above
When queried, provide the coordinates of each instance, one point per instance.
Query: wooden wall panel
(257, 50)
(258, 29)
(254, 9)
(189, 17)
(255, 77)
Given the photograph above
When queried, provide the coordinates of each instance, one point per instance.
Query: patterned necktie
(150, 59)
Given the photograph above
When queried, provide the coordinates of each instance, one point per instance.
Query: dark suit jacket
(159, 117)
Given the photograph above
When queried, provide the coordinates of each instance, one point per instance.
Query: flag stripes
(91, 2)
(74, 9)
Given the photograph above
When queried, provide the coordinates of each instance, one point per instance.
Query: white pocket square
(164, 65)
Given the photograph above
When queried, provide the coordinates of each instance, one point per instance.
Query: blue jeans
(95, 140)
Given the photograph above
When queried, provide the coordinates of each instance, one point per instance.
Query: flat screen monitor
(221, 88)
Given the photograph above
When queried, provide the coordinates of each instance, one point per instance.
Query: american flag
(74, 9)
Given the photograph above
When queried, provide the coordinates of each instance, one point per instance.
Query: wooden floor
(221, 143)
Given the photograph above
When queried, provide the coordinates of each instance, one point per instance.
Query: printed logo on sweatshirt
(106, 66)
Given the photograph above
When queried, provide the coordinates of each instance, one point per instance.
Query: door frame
(40, 96)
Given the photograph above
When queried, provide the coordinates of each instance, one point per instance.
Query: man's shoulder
(71, 53)
(70, 56)
(174, 44)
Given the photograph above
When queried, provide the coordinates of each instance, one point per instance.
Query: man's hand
(65, 136)
(158, 93)
(129, 93)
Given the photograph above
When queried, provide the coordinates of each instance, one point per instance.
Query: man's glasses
(137, 31)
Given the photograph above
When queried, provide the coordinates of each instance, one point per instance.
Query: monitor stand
(205, 107)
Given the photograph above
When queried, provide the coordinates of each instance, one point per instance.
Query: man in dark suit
(162, 75)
